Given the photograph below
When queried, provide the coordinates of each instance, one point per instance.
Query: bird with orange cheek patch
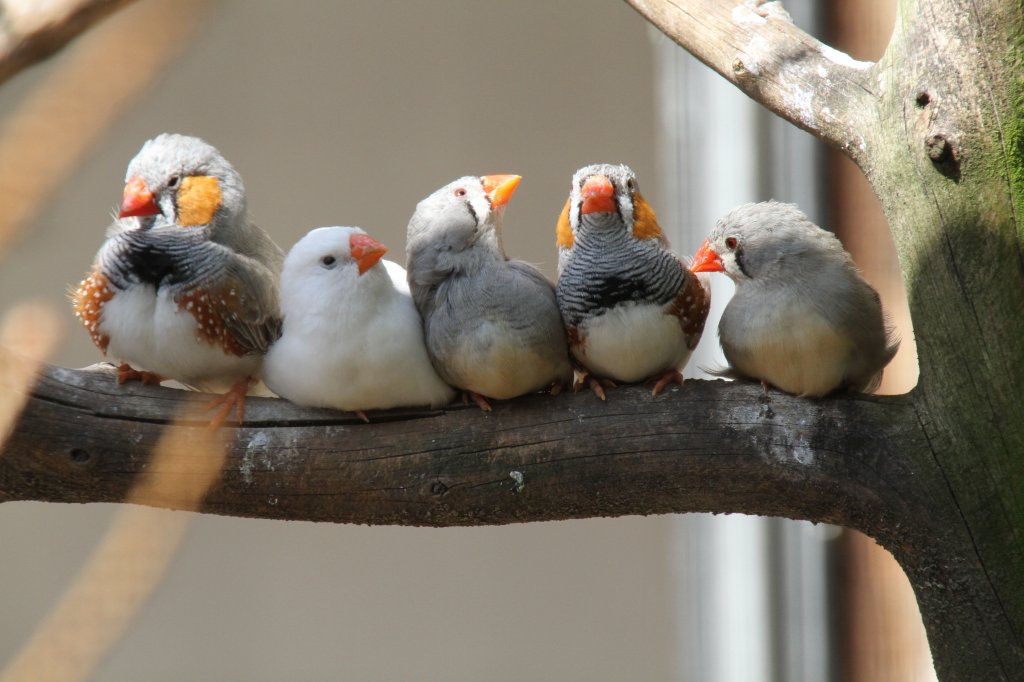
(632, 309)
(185, 286)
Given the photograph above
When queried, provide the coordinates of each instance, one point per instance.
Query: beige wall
(349, 113)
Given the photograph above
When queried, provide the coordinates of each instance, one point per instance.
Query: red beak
(365, 250)
(706, 260)
(598, 195)
(137, 200)
(500, 187)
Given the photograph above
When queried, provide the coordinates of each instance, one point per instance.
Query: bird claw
(234, 398)
(597, 385)
(126, 372)
(671, 377)
(362, 415)
(480, 401)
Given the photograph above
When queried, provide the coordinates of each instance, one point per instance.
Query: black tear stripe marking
(740, 260)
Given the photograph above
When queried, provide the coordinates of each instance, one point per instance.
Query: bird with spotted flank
(185, 286)
(633, 311)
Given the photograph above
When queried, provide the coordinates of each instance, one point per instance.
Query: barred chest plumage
(608, 268)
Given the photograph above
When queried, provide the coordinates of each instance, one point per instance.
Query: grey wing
(532, 298)
(256, 318)
(425, 273)
(874, 341)
(255, 244)
(240, 293)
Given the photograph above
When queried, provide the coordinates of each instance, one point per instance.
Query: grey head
(772, 240)
(184, 181)
(179, 182)
(458, 227)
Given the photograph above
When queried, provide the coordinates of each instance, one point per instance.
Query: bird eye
(328, 261)
(460, 192)
(173, 182)
(730, 243)
(630, 184)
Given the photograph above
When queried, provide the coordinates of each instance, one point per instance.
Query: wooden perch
(709, 446)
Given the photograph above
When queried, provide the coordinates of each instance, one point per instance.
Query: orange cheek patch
(198, 200)
(645, 222)
(563, 231)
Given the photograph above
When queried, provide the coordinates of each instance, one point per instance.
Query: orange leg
(126, 373)
(596, 384)
(671, 377)
(480, 401)
(233, 399)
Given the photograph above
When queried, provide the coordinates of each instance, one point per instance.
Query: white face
(321, 259)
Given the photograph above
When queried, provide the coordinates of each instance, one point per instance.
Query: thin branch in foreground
(125, 567)
(56, 124)
(32, 31)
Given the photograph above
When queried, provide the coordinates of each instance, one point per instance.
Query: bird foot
(233, 399)
(596, 384)
(480, 401)
(125, 372)
(362, 415)
(671, 377)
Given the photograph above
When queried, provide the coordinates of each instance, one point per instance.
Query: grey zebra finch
(802, 320)
(491, 324)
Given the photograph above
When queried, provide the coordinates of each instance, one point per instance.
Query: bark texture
(936, 126)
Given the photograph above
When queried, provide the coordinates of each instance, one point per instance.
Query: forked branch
(755, 45)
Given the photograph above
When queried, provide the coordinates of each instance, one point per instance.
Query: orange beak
(499, 188)
(365, 250)
(137, 200)
(598, 195)
(706, 260)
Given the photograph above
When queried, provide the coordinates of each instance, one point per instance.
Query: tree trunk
(937, 126)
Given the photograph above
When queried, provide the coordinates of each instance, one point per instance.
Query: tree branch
(755, 46)
(30, 32)
(710, 446)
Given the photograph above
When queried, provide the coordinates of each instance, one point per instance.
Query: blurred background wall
(349, 113)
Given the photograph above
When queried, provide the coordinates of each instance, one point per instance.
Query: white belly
(631, 343)
(148, 331)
